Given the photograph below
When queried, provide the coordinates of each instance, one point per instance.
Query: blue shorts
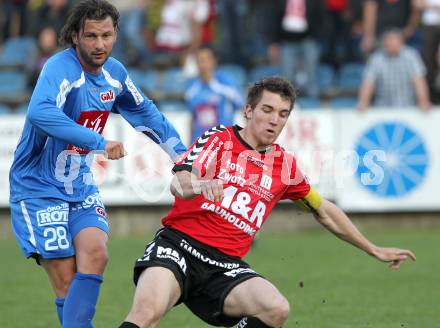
(46, 227)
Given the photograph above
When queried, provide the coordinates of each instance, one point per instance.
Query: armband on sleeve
(311, 201)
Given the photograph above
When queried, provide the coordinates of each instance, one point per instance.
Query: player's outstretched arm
(336, 221)
(186, 185)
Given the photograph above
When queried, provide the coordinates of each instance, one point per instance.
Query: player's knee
(98, 257)
(145, 314)
(279, 311)
(283, 310)
(102, 257)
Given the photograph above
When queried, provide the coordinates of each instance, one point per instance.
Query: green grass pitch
(328, 283)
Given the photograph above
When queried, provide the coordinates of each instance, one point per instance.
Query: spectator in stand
(53, 14)
(47, 46)
(382, 15)
(180, 30)
(9, 8)
(261, 36)
(396, 74)
(131, 46)
(430, 43)
(208, 28)
(232, 17)
(357, 26)
(212, 98)
(297, 36)
(339, 43)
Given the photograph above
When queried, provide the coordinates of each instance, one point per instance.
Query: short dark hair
(209, 48)
(275, 84)
(87, 9)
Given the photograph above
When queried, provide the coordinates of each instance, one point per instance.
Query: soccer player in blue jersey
(57, 214)
(212, 97)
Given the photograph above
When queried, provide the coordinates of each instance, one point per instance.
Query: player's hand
(395, 256)
(115, 150)
(212, 190)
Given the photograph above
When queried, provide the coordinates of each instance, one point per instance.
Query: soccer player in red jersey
(225, 187)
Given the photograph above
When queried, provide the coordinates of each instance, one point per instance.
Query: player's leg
(60, 273)
(162, 277)
(156, 293)
(89, 227)
(91, 259)
(41, 229)
(91, 251)
(259, 302)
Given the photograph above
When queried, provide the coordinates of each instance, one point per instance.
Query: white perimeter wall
(382, 160)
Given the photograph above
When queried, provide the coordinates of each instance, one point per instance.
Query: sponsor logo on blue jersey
(107, 96)
(58, 214)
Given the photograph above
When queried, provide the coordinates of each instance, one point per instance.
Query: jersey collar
(236, 128)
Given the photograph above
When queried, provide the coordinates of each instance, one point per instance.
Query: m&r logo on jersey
(107, 96)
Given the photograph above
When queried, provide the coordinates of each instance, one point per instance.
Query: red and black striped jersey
(253, 182)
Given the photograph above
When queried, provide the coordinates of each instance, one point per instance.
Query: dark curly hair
(83, 10)
(275, 84)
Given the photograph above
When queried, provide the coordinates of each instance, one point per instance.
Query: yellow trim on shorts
(311, 201)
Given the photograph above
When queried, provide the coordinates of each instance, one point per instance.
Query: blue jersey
(212, 103)
(67, 113)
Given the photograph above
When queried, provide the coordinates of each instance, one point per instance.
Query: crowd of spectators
(293, 37)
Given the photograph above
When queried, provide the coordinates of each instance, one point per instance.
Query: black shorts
(205, 275)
